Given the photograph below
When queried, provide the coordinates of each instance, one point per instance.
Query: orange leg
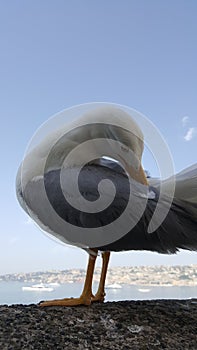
(86, 296)
(100, 295)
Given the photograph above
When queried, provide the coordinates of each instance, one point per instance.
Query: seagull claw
(98, 298)
(66, 302)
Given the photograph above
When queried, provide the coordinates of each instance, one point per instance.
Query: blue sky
(56, 54)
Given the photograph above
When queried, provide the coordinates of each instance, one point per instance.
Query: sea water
(12, 292)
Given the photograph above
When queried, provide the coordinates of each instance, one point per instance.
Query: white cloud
(190, 134)
(185, 120)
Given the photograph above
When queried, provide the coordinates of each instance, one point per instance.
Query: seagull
(107, 144)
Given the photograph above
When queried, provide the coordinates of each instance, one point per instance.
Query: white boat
(54, 284)
(144, 290)
(37, 288)
(113, 286)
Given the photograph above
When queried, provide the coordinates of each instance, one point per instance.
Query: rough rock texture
(154, 324)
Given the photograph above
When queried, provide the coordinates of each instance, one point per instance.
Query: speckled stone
(138, 325)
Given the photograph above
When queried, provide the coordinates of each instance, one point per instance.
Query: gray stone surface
(154, 324)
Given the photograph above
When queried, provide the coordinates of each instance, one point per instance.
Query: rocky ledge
(151, 324)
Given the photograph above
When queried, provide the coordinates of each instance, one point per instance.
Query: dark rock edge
(149, 324)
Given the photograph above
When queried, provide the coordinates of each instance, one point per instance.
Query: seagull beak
(138, 175)
(132, 165)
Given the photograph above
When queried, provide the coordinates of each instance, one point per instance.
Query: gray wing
(179, 229)
(185, 187)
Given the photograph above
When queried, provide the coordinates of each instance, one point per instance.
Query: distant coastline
(135, 275)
